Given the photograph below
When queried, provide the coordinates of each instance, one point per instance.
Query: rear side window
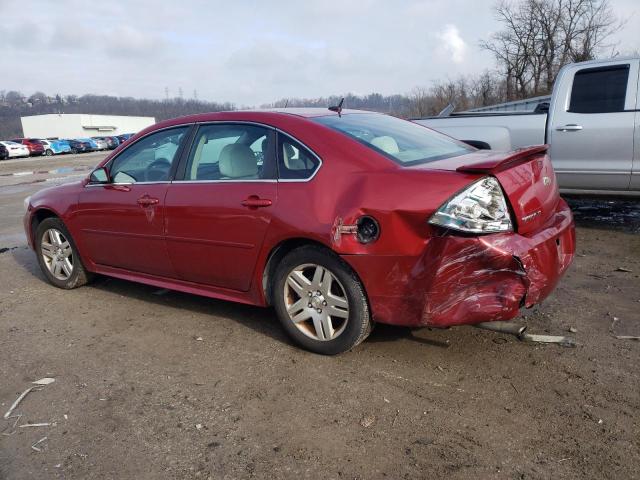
(295, 162)
(599, 90)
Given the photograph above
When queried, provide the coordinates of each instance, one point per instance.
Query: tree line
(537, 38)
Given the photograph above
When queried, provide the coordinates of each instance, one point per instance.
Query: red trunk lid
(526, 176)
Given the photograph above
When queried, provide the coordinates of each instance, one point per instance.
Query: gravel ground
(157, 384)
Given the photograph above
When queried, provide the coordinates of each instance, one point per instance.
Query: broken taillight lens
(479, 208)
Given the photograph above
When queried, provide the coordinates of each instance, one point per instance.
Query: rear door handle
(147, 201)
(572, 127)
(256, 202)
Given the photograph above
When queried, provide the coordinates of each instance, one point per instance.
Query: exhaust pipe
(520, 332)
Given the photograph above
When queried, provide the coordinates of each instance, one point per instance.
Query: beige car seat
(237, 161)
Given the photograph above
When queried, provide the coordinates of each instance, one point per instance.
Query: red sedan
(33, 144)
(337, 220)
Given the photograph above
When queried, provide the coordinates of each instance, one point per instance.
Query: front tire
(49, 153)
(58, 255)
(320, 301)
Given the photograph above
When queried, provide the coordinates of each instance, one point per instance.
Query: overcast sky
(248, 52)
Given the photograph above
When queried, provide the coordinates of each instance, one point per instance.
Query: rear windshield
(403, 142)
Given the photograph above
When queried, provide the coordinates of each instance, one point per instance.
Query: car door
(591, 126)
(220, 205)
(121, 222)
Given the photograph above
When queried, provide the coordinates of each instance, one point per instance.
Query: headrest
(386, 144)
(237, 161)
(290, 162)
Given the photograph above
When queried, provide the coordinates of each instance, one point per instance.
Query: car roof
(305, 112)
(267, 115)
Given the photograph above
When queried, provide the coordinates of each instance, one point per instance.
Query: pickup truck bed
(503, 132)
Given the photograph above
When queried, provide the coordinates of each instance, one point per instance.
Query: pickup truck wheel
(320, 301)
(58, 255)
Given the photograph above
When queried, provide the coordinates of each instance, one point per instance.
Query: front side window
(149, 159)
(230, 152)
(599, 90)
(404, 142)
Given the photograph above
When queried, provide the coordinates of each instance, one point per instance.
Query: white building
(78, 125)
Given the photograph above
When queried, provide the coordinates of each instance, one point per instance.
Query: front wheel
(58, 255)
(49, 153)
(320, 301)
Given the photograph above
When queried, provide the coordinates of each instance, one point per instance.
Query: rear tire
(58, 255)
(320, 301)
(49, 153)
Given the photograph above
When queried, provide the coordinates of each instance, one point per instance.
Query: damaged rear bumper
(460, 280)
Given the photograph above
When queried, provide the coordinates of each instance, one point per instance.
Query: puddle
(618, 214)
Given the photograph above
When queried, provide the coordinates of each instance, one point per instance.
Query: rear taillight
(479, 208)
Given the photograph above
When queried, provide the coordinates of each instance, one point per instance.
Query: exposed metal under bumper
(520, 331)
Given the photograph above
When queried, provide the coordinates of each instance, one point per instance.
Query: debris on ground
(367, 421)
(17, 402)
(623, 269)
(44, 381)
(39, 442)
(520, 331)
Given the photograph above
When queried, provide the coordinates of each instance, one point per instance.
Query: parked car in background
(55, 147)
(64, 144)
(33, 144)
(591, 127)
(111, 142)
(400, 224)
(101, 143)
(92, 143)
(79, 146)
(125, 136)
(16, 150)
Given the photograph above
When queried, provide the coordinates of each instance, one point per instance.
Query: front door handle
(572, 127)
(256, 202)
(147, 201)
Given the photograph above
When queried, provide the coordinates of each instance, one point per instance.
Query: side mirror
(99, 175)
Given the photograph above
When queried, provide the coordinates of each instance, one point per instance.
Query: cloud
(453, 43)
(250, 52)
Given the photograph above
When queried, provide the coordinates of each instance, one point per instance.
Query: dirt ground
(153, 384)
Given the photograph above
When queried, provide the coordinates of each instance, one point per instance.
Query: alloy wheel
(57, 254)
(316, 302)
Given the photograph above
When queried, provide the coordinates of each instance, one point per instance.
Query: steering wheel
(158, 170)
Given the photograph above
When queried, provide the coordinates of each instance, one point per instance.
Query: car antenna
(337, 108)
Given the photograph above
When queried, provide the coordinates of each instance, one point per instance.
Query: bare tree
(541, 36)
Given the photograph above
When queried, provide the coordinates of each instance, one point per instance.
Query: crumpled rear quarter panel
(460, 280)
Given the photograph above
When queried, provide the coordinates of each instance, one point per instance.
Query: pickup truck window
(599, 90)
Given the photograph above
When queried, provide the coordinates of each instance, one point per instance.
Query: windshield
(403, 142)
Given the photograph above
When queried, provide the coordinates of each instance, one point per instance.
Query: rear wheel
(58, 255)
(320, 301)
(49, 152)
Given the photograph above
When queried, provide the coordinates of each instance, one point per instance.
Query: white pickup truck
(592, 127)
